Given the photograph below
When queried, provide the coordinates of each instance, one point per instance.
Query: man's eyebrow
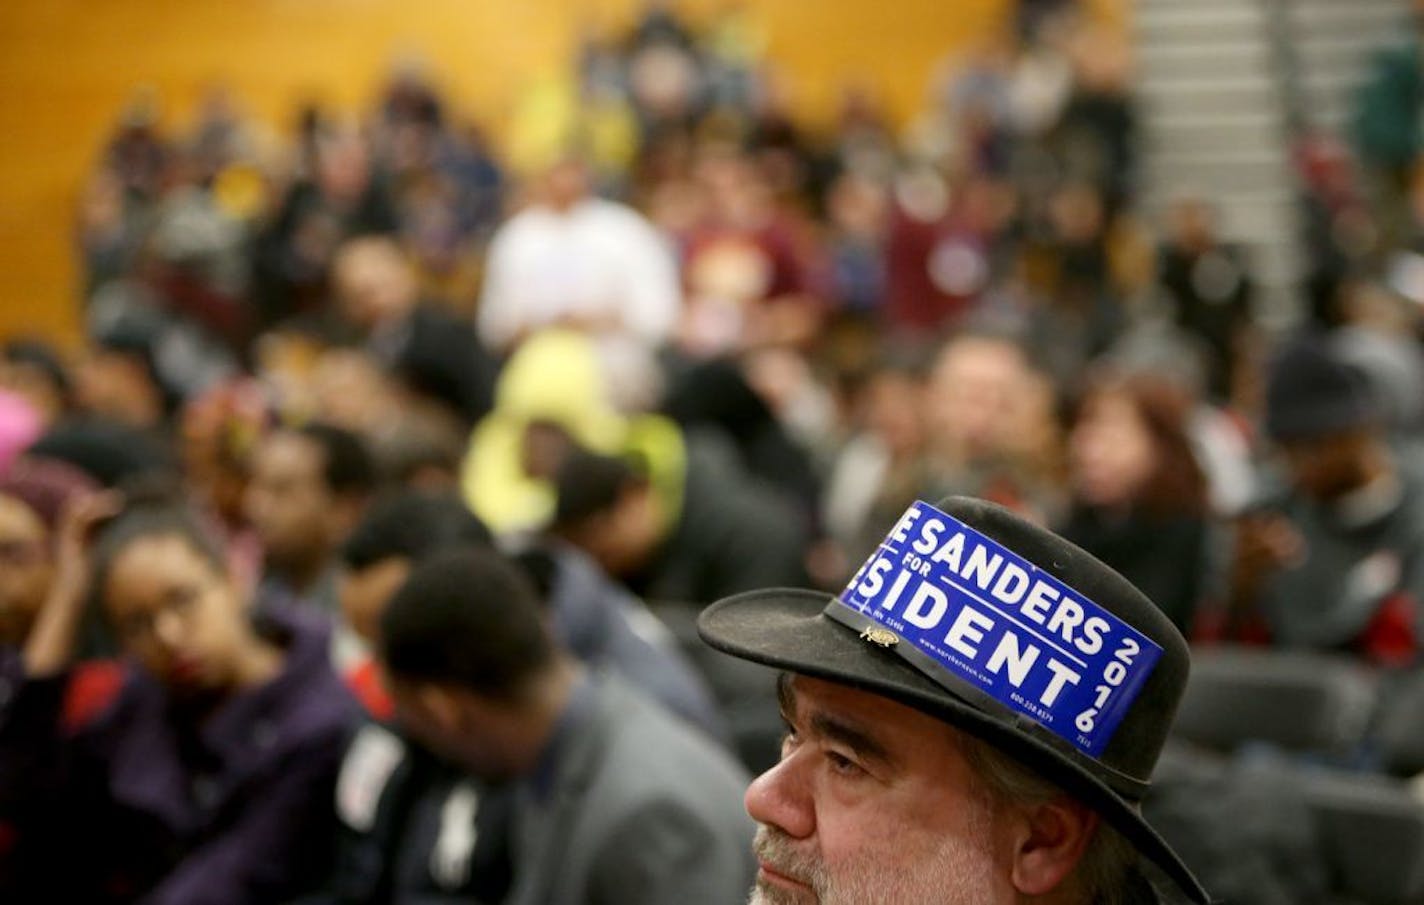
(858, 740)
(831, 727)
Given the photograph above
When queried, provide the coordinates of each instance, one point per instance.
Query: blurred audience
(663, 337)
(603, 626)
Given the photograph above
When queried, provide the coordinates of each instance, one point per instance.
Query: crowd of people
(356, 553)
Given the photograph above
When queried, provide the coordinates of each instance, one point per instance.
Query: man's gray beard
(953, 872)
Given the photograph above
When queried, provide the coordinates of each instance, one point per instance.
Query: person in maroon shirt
(747, 271)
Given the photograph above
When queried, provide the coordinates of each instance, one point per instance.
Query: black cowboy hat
(846, 640)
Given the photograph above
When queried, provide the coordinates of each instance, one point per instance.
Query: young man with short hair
(309, 487)
(559, 786)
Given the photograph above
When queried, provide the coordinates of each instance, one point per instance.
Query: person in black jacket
(713, 532)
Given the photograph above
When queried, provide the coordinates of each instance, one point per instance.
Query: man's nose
(781, 797)
(168, 629)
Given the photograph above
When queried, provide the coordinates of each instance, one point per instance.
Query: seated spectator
(393, 535)
(563, 785)
(1209, 288)
(119, 377)
(214, 762)
(308, 488)
(433, 353)
(721, 395)
(110, 452)
(420, 448)
(704, 533)
(144, 361)
(1377, 335)
(937, 252)
(991, 421)
(858, 209)
(1138, 495)
(346, 387)
(884, 466)
(600, 623)
(33, 369)
(342, 193)
(748, 278)
(33, 492)
(21, 424)
(1336, 562)
(561, 389)
(571, 259)
(218, 433)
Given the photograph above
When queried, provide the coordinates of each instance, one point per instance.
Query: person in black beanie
(1336, 560)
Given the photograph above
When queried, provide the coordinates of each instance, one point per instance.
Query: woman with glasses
(209, 777)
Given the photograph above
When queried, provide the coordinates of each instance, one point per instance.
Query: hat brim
(786, 629)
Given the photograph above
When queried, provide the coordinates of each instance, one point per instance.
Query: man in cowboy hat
(973, 721)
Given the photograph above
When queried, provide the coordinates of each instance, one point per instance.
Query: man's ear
(347, 509)
(1048, 844)
(441, 704)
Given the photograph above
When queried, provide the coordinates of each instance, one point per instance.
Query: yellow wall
(66, 67)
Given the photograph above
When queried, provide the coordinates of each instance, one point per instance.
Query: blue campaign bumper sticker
(991, 618)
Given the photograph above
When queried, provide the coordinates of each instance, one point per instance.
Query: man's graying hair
(1101, 875)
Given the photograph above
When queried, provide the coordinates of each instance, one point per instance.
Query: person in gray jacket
(574, 787)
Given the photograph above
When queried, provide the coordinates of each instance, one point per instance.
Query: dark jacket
(415, 830)
(439, 356)
(1210, 295)
(733, 533)
(1165, 557)
(1359, 584)
(137, 805)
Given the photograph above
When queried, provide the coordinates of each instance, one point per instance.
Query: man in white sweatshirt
(573, 259)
